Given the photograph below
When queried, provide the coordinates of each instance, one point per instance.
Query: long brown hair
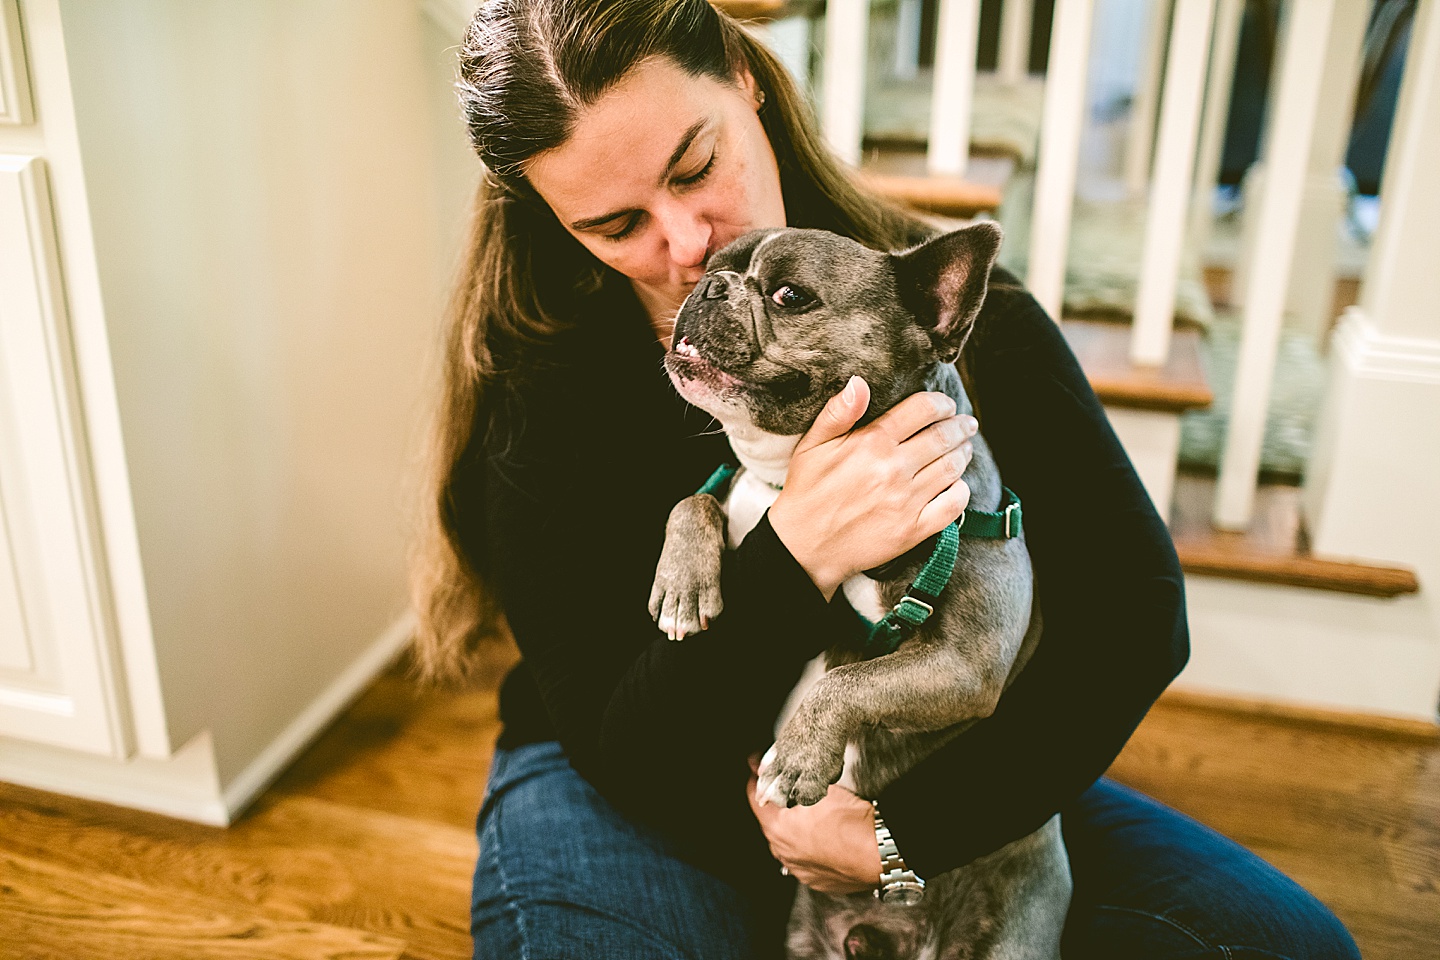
(527, 69)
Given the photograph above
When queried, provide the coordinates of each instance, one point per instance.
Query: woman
(624, 142)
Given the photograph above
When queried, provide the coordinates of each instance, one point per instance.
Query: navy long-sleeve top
(600, 447)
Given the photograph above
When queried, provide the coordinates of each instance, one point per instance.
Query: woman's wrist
(826, 579)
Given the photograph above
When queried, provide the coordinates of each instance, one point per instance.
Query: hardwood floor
(364, 848)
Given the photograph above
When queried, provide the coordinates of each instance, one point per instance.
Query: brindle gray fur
(899, 321)
(689, 565)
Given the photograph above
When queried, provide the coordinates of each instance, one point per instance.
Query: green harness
(918, 603)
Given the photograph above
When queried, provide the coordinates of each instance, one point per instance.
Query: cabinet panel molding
(15, 103)
(65, 694)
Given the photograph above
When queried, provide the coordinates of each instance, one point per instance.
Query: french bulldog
(777, 326)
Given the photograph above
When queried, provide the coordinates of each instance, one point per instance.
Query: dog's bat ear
(943, 281)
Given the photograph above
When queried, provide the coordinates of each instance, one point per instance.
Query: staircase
(1273, 620)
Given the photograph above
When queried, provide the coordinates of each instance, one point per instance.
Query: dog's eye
(787, 296)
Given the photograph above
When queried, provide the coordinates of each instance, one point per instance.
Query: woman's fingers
(945, 509)
(940, 473)
(935, 441)
(839, 415)
(913, 414)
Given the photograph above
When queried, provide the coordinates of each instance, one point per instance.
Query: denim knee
(1151, 882)
(562, 876)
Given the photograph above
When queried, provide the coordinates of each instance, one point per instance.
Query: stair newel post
(842, 105)
(954, 86)
(1170, 189)
(1287, 149)
(1060, 126)
(1370, 488)
(1013, 59)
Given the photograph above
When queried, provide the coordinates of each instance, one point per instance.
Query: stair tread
(900, 174)
(1275, 549)
(751, 9)
(1104, 352)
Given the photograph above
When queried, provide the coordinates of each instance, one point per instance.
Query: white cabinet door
(57, 661)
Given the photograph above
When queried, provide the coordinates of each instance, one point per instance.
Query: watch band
(898, 883)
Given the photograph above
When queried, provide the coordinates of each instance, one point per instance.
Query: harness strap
(918, 603)
(920, 598)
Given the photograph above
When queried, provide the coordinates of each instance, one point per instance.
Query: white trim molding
(1367, 352)
(16, 106)
(187, 785)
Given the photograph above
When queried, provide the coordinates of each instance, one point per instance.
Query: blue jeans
(562, 876)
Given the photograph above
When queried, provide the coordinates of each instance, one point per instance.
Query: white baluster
(791, 40)
(907, 38)
(1140, 141)
(1217, 113)
(1302, 68)
(1059, 151)
(1013, 59)
(959, 29)
(843, 100)
(1310, 301)
(1170, 192)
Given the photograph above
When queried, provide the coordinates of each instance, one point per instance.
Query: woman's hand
(829, 847)
(855, 499)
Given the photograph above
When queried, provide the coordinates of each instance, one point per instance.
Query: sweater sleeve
(661, 728)
(1111, 596)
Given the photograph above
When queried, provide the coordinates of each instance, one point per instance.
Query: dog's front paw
(684, 601)
(686, 593)
(792, 774)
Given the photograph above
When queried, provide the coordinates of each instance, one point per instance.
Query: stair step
(1275, 549)
(899, 173)
(751, 9)
(1104, 353)
(946, 196)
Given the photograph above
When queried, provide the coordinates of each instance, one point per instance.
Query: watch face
(903, 894)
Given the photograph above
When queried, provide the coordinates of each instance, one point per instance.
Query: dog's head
(783, 319)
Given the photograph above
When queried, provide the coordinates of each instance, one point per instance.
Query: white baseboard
(184, 785)
(262, 771)
(187, 785)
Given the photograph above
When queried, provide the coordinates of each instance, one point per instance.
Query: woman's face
(661, 172)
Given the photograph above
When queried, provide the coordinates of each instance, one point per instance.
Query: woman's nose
(688, 236)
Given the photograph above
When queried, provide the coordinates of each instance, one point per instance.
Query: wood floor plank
(371, 834)
(294, 858)
(1352, 815)
(48, 910)
(404, 750)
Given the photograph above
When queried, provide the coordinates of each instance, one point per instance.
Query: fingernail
(971, 424)
(849, 395)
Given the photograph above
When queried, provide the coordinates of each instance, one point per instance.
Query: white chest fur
(752, 492)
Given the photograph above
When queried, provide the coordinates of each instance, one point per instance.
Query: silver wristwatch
(898, 883)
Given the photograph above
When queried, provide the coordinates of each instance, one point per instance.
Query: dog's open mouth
(684, 362)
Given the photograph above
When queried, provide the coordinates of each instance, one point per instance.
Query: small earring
(760, 101)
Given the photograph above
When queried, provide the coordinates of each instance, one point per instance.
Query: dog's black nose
(716, 288)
